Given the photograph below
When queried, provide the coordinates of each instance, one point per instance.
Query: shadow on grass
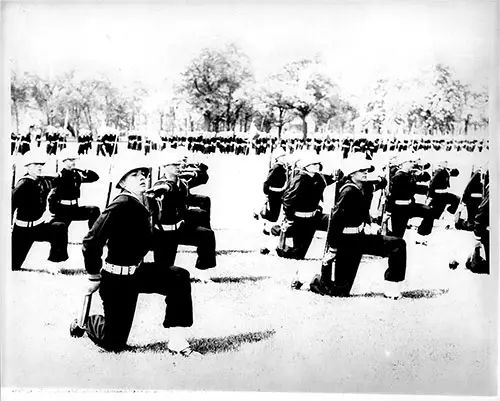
(222, 251)
(27, 269)
(364, 258)
(242, 279)
(73, 272)
(219, 280)
(210, 345)
(413, 294)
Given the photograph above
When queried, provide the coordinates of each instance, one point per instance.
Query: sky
(357, 40)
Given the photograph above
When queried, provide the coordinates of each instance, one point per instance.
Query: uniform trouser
(119, 295)
(23, 237)
(472, 206)
(108, 149)
(69, 213)
(272, 208)
(165, 244)
(485, 240)
(351, 247)
(302, 233)
(198, 213)
(439, 202)
(100, 149)
(402, 213)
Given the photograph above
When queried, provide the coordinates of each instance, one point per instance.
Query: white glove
(371, 229)
(47, 216)
(285, 225)
(329, 256)
(388, 222)
(149, 258)
(482, 251)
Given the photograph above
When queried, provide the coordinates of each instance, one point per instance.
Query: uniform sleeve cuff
(94, 277)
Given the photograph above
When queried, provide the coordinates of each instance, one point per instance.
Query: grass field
(256, 333)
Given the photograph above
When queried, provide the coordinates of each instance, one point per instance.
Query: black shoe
(264, 251)
(318, 287)
(296, 284)
(265, 232)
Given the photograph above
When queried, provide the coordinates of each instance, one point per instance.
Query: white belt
(276, 189)
(120, 270)
(353, 230)
(305, 215)
(21, 223)
(402, 202)
(68, 202)
(170, 227)
(476, 195)
(440, 191)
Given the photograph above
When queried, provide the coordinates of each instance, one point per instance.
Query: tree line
(222, 94)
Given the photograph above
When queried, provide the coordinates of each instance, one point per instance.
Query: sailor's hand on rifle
(286, 225)
(386, 225)
(48, 216)
(371, 229)
(329, 256)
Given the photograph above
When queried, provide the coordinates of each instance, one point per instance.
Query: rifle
(16, 148)
(461, 206)
(326, 261)
(271, 153)
(110, 169)
(384, 196)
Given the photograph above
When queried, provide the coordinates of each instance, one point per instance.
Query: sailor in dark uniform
(439, 195)
(125, 229)
(195, 174)
(171, 226)
(401, 206)
(274, 185)
(471, 198)
(301, 206)
(32, 219)
(482, 236)
(64, 198)
(352, 234)
(346, 146)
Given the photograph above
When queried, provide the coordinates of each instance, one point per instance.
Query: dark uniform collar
(135, 197)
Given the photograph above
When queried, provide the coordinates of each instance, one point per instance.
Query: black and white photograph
(255, 197)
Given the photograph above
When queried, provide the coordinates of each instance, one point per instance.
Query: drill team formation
(379, 184)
